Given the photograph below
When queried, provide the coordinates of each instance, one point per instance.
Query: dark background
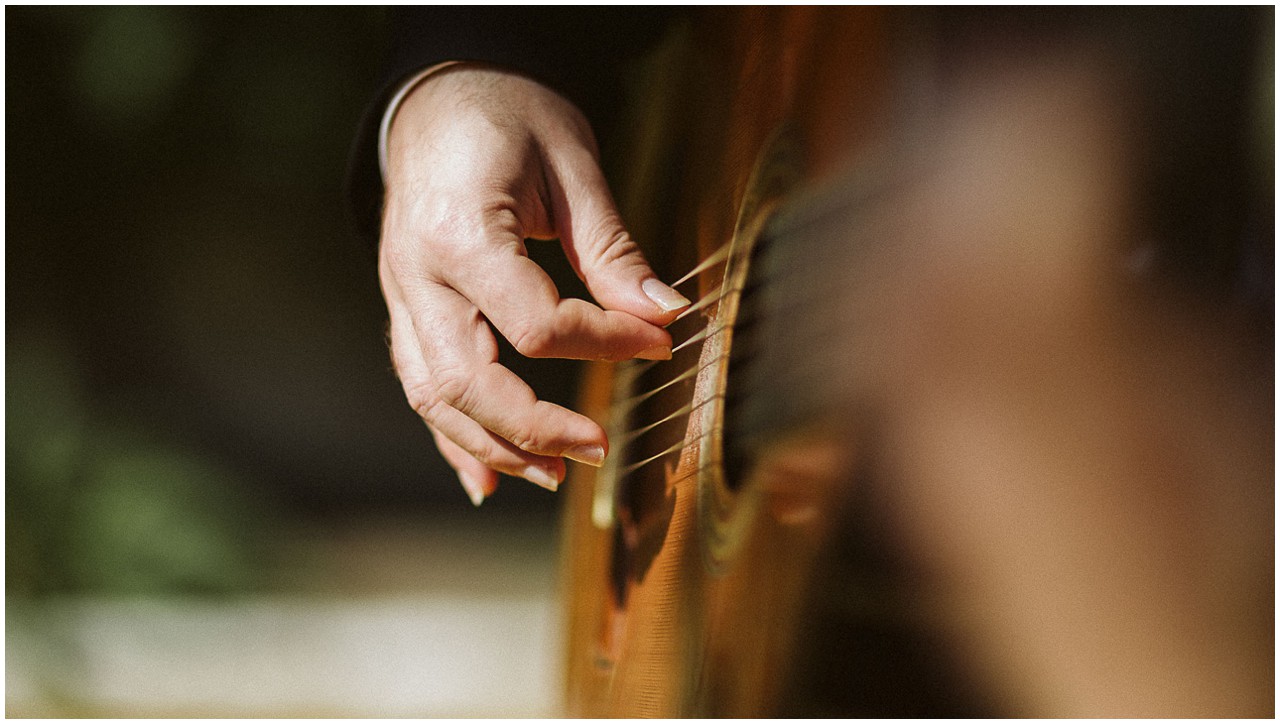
(195, 362)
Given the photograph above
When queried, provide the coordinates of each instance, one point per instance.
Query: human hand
(479, 160)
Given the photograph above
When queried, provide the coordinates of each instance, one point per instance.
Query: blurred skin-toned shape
(1078, 453)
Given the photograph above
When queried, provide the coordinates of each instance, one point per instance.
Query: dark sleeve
(580, 52)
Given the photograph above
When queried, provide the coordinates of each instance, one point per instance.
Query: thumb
(601, 251)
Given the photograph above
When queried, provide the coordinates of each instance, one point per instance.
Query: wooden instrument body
(698, 634)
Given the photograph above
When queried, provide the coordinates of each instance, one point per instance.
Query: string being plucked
(703, 303)
(632, 372)
(717, 257)
(635, 369)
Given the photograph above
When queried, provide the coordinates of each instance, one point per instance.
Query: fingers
(481, 448)
(477, 479)
(453, 381)
(458, 349)
(598, 246)
(520, 300)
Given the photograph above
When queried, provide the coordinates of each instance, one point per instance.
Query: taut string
(678, 447)
(707, 331)
(716, 257)
(706, 301)
(682, 412)
(627, 404)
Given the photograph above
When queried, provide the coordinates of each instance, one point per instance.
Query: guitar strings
(707, 331)
(637, 368)
(706, 301)
(633, 372)
(632, 435)
(715, 258)
(678, 447)
(799, 289)
(687, 474)
(625, 405)
(684, 411)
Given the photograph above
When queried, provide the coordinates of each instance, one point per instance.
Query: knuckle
(442, 230)
(528, 438)
(536, 339)
(423, 400)
(448, 223)
(615, 246)
(464, 239)
(456, 388)
(608, 232)
(485, 452)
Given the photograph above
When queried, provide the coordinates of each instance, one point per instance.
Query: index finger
(522, 302)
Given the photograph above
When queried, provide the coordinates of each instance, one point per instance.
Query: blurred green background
(194, 340)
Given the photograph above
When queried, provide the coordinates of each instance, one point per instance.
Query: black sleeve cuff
(578, 51)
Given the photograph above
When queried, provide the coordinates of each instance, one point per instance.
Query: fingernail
(539, 476)
(475, 491)
(655, 353)
(589, 454)
(663, 295)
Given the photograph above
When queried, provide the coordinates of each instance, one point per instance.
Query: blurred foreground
(381, 619)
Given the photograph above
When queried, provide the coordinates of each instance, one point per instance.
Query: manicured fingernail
(589, 454)
(655, 353)
(475, 491)
(539, 476)
(664, 296)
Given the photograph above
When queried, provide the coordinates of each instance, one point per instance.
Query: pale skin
(480, 159)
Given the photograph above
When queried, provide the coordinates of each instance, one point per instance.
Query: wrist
(393, 107)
